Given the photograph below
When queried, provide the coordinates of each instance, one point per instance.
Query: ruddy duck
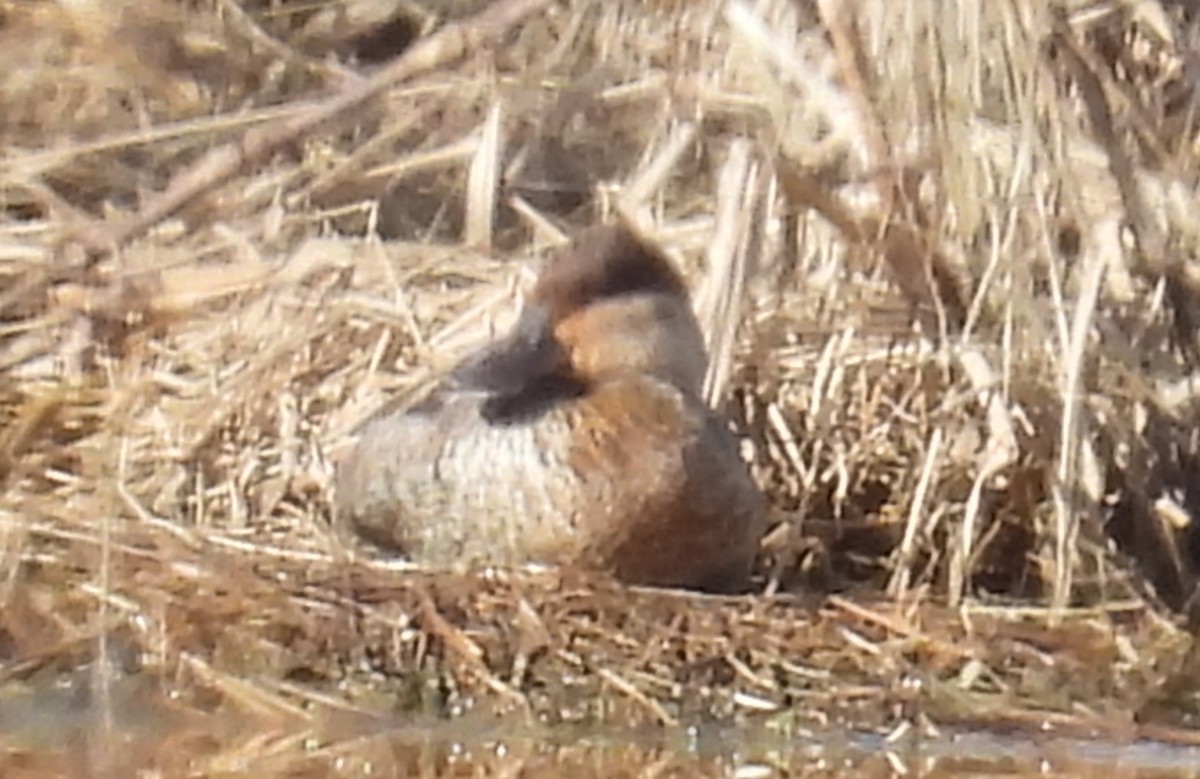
(581, 438)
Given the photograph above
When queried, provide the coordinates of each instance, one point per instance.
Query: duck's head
(607, 305)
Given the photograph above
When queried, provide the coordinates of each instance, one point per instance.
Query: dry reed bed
(216, 658)
(197, 312)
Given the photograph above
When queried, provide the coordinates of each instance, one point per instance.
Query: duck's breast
(667, 499)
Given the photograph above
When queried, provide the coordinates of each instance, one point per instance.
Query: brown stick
(453, 41)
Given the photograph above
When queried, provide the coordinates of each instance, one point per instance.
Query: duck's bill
(526, 356)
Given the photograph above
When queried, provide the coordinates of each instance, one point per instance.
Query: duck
(580, 439)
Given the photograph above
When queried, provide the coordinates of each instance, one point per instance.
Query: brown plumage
(581, 439)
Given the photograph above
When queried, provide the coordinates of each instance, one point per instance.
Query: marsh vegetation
(945, 258)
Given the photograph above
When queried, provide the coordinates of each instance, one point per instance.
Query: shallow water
(135, 728)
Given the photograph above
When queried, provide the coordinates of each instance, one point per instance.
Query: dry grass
(943, 253)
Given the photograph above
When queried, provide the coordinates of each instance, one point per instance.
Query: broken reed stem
(1000, 451)
(482, 181)
(719, 304)
(653, 176)
(1069, 499)
(915, 525)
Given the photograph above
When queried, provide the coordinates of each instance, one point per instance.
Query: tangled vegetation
(945, 256)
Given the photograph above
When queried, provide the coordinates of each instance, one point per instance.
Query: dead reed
(944, 254)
